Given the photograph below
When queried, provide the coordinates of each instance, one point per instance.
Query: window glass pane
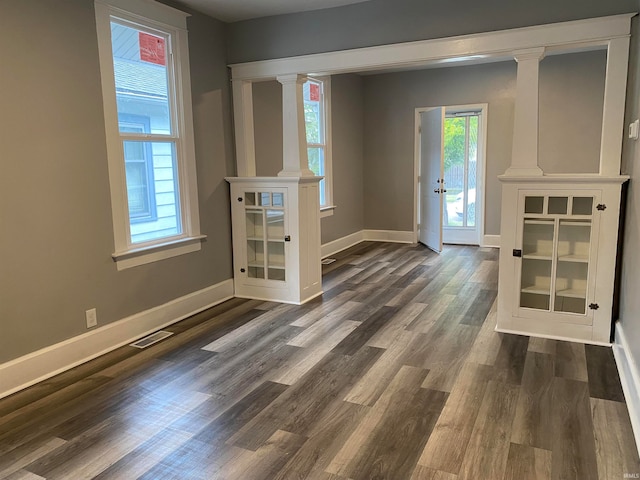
(533, 204)
(312, 111)
(141, 77)
(316, 165)
(558, 205)
(316, 160)
(582, 206)
(152, 190)
(278, 200)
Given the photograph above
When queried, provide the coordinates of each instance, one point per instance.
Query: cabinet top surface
(565, 179)
(264, 181)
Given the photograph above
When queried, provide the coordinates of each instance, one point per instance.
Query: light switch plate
(633, 130)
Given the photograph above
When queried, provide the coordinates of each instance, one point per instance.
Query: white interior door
(431, 176)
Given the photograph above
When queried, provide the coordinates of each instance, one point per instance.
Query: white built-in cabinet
(559, 232)
(557, 264)
(276, 238)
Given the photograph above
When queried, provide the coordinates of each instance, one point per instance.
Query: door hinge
(601, 207)
(594, 306)
(517, 253)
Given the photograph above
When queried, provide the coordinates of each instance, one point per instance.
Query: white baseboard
(630, 379)
(491, 241)
(42, 364)
(395, 236)
(343, 243)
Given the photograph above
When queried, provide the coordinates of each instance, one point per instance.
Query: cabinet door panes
(265, 232)
(574, 241)
(556, 244)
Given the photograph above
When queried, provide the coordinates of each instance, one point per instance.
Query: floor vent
(327, 261)
(151, 339)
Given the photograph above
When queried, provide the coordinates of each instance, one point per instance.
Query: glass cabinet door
(556, 241)
(265, 235)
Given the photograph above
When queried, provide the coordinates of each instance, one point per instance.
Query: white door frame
(481, 166)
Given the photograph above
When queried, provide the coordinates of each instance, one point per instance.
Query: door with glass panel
(558, 255)
(462, 166)
(264, 213)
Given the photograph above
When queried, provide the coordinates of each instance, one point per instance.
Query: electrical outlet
(92, 318)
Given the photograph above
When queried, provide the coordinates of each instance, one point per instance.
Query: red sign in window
(152, 49)
(314, 92)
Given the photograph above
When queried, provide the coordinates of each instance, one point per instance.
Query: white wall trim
(394, 236)
(490, 241)
(487, 46)
(630, 379)
(35, 367)
(343, 243)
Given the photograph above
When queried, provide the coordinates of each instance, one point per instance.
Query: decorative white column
(243, 123)
(615, 91)
(524, 156)
(294, 139)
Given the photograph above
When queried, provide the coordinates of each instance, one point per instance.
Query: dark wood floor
(395, 373)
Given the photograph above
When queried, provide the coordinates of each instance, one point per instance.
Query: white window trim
(327, 209)
(166, 18)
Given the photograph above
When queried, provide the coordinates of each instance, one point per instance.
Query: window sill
(153, 253)
(327, 211)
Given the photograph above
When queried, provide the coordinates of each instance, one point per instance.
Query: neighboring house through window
(317, 118)
(147, 102)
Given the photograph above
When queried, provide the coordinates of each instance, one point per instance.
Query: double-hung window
(317, 119)
(148, 120)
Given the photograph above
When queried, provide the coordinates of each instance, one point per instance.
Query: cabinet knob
(287, 238)
(242, 270)
(517, 253)
(594, 306)
(239, 199)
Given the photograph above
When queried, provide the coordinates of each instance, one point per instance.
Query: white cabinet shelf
(557, 266)
(538, 256)
(574, 258)
(536, 290)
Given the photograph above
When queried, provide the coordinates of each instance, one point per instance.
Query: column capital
(291, 78)
(529, 54)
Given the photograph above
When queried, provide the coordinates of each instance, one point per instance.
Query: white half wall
(42, 364)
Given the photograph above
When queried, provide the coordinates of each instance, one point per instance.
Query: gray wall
(390, 103)
(55, 210)
(347, 148)
(571, 101)
(379, 22)
(630, 300)
(571, 92)
(347, 112)
(267, 124)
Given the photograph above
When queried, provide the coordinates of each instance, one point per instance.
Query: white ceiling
(234, 10)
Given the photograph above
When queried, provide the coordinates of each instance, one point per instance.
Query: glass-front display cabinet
(556, 252)
(558, 256)
(276, 238)
(265, 227)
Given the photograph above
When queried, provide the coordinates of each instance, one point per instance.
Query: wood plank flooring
(396, 372)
